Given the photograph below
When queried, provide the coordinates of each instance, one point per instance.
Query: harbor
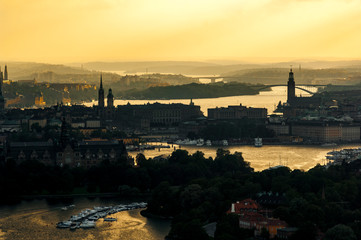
(37, 219)
(88, 217)
(346, 155)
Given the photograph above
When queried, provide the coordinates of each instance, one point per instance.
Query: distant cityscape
(85, 136)
(73, 137)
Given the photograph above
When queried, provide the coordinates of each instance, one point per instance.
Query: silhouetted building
(291, 87)
(237, 112)
(319, 131)
(2, 99)
(110, 99)
(101, 95)
(6, 73)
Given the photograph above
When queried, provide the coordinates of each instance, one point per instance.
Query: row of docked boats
(344, 155)
(197, 142)
(88, 217)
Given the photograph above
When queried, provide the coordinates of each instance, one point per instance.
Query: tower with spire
(2, 100)
(110, 99)
(6, 73)
(101, 94)
(291, 87)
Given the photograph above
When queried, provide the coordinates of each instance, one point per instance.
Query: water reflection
(295, 157)
(266, 99)
(37, 220)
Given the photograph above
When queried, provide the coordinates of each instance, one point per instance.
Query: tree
(340, 232)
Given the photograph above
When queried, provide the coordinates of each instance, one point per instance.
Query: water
(265, 99)
(295, 157)
(37, 220)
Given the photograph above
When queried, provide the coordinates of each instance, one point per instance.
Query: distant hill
(338, 76)
(209, 68)
(192, 90)
(23, 70)
(325, 72)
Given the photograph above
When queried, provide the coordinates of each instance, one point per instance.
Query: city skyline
(108, 30)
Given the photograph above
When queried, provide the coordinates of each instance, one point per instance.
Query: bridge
(308, 88)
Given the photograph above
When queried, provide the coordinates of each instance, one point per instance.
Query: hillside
(192, 90)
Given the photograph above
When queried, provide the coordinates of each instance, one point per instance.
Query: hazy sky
(107, 30)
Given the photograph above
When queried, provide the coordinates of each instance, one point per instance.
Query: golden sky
(60, 31)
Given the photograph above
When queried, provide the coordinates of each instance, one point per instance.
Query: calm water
(37, 219)
(267, 99)
(295, 157)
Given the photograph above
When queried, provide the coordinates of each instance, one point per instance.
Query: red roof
(245, 205)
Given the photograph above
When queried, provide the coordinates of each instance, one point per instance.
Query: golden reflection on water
(302, 157)
(34, 224)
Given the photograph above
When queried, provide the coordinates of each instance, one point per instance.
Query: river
(37, 219)
(265, 99)
(301, 157)
(295, 157)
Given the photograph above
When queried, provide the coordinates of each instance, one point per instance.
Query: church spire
(6, 73)
(101, 94)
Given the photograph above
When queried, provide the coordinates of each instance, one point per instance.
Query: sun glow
(75, 30)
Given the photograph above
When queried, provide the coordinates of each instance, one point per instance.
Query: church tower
(101, 94)
(6, 73)
(291, 87)
(2, 100)
(110, 99)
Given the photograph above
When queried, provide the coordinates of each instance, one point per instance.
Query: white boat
(87, 224)
(208, 143)
(75, 225)
(258, 142)
(64, 224)
(200, 142)
(224, 142)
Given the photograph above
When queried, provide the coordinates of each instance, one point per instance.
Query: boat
(87, 224)
(224, 142)
(329, 145)
(209, 143)
(67, 207)
(75, 225)
(110, 219)
(200, 142)
(64, 224)
(88, 217)
(258, 142)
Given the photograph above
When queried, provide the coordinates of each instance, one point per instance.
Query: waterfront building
(319, 131)
(237, 112)
(158, 114)
(279, 128)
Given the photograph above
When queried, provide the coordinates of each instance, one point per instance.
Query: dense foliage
(195, 190)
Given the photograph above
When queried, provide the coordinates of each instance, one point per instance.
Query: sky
(199, 30)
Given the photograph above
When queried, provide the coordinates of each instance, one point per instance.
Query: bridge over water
(309, 88)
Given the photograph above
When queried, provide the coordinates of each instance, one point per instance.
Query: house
(253, 216)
